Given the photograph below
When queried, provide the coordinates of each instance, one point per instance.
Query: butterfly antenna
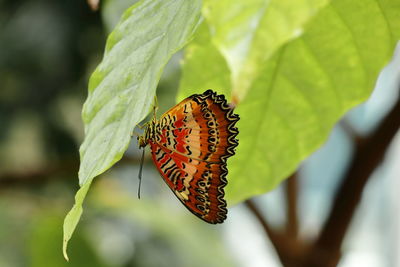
(140, 172)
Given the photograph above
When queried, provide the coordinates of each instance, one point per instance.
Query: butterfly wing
(195, 139)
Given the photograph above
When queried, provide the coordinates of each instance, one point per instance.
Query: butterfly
(190, 145)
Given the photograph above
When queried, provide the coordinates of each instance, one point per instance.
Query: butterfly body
(190, 144)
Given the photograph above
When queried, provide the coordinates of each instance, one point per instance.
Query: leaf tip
(65, 250)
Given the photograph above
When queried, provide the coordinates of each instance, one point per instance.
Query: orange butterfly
(190, 144)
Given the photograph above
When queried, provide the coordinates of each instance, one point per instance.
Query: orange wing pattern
(190, 145)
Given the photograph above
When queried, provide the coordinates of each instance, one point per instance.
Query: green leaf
(73, 216)
(304, 89)
(111, 11)
(249, 32)
(212, 74)
(123, 85)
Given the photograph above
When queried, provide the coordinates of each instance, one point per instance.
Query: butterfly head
(149, 133)
(142, 141)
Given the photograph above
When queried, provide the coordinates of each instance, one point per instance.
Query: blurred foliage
(45, 247)
(173, 235)
(47, 48)
(48, 51)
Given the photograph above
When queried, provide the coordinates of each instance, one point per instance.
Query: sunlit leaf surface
(195, 77)
(300, 91)
(248, 32)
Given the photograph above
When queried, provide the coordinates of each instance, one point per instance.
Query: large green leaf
(303, 89)
(122, 87)
(248, 32)
(216, 75)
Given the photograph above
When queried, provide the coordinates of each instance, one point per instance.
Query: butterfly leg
(155, 107)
